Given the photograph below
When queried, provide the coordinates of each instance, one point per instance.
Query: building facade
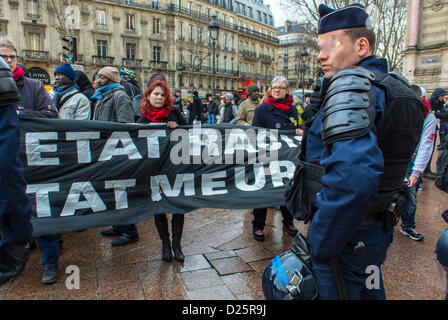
(169, 37)
(426, 57)
(297, 55)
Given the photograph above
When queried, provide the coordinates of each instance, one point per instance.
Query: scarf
(98, 95)
(18, 73)
(282, 104)
(61, 92)
(157, 115)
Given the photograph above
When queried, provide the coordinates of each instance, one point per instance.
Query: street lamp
(301, 69)
(213, 27)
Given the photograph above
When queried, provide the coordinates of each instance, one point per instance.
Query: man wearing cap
(342, 136)
(246, 109)
(110, 101)
(70, 102)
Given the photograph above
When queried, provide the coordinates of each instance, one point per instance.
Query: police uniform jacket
(271, 117)
(353, 168)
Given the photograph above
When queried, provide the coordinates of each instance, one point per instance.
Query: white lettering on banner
(374, 279)
(209, 138)
(129, 149)
(209, 186)
(237, 142)
(161, 183)
(260, 178)
(34, 149)
(288, 141)
(278, 175)
(152, 137)
(43, 206)
(72, 281)
(121, 195)
(180, 152)
(263, 146)
(83, 144)
(73, 203)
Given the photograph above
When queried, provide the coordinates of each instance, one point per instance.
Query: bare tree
(71, 15)
(388, 18)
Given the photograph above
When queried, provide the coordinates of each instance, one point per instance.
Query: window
(259, 16)
(286, 64)
(199, 34)
(253, 49)
(199, 11)
(233, 43)
(35, 43)
(191, 36)
(156, 53)
(155, 4)
(101, 48)
(181, 30)
(217, 62)
(225, 42)
(130, 22)
(156, 25)
(224, 19)
(286, 51)
(265, 18)
(209, 64)
(251, 15)
(33, 8)
(232, 64)
(225, 63)
(190, 7)
(101, 18)
(130, 50)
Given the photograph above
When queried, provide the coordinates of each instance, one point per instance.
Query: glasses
(279, 88)
(6, 57)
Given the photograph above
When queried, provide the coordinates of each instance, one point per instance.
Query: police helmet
(288, 278)
(441, 256)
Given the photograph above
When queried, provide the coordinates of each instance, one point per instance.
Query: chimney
(287, 25)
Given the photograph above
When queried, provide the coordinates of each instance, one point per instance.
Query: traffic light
(71, 53)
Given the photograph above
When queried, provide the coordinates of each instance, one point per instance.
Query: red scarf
(282, 104)
(157, 115)
(17, 73)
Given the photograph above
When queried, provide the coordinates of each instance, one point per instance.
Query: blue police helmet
(441, 256)
(287, 278)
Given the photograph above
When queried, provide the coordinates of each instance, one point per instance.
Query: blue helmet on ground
(287, 277)
(441, 256)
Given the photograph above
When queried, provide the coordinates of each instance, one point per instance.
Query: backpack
(441, 180)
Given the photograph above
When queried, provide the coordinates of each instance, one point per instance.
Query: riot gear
(8, 89)
(441, 257)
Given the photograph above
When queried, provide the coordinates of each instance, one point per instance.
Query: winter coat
(212, 107)
(175, 115)
(246, 112)
(115, 106)
(132, 88)
(268, 116)
(228, 113)
(195, 110)
(35, 100)
(77, 107)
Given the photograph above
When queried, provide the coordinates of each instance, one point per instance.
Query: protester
(157, 107)
(35, 101)
(15, 208)
(247, 107)
(212, 110)
(417, 165)
(130, 85)
(178, 100)
(229, 112)
(195, 109)
(84, 84)
(111, 103)
(357, 165)
(277, 112)
(70, 102)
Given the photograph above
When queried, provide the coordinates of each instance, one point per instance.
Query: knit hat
(438, 92)
(195, 93)
(110, 73)
(127, 74)
(229, 97)
(67, 70)
(252, 88)
(352, 16)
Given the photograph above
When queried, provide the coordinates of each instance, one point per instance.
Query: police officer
(15, 207)
(351, 156)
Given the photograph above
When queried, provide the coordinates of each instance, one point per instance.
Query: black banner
(84, 174)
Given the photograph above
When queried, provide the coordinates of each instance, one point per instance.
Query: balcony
(35, 55)
(159, 65)
(132, 63)
(102, 60)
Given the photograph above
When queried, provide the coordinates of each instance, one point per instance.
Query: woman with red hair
(157, 106)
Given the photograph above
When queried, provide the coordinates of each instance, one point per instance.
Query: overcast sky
(277, 12)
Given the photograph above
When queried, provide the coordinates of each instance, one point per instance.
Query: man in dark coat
(195, 109)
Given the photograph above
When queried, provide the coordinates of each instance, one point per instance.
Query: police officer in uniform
(343, 138)
(15, 207)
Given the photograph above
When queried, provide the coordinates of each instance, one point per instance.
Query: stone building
(426, 56)
(170, 37)
(293, 62)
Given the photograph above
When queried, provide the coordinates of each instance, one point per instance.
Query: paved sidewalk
(223, 261)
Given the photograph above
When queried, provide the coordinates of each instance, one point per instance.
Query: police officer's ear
(363, 48)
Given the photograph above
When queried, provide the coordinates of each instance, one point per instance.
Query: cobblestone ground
(222, 262)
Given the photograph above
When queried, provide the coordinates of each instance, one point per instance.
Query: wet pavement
(223, 261)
